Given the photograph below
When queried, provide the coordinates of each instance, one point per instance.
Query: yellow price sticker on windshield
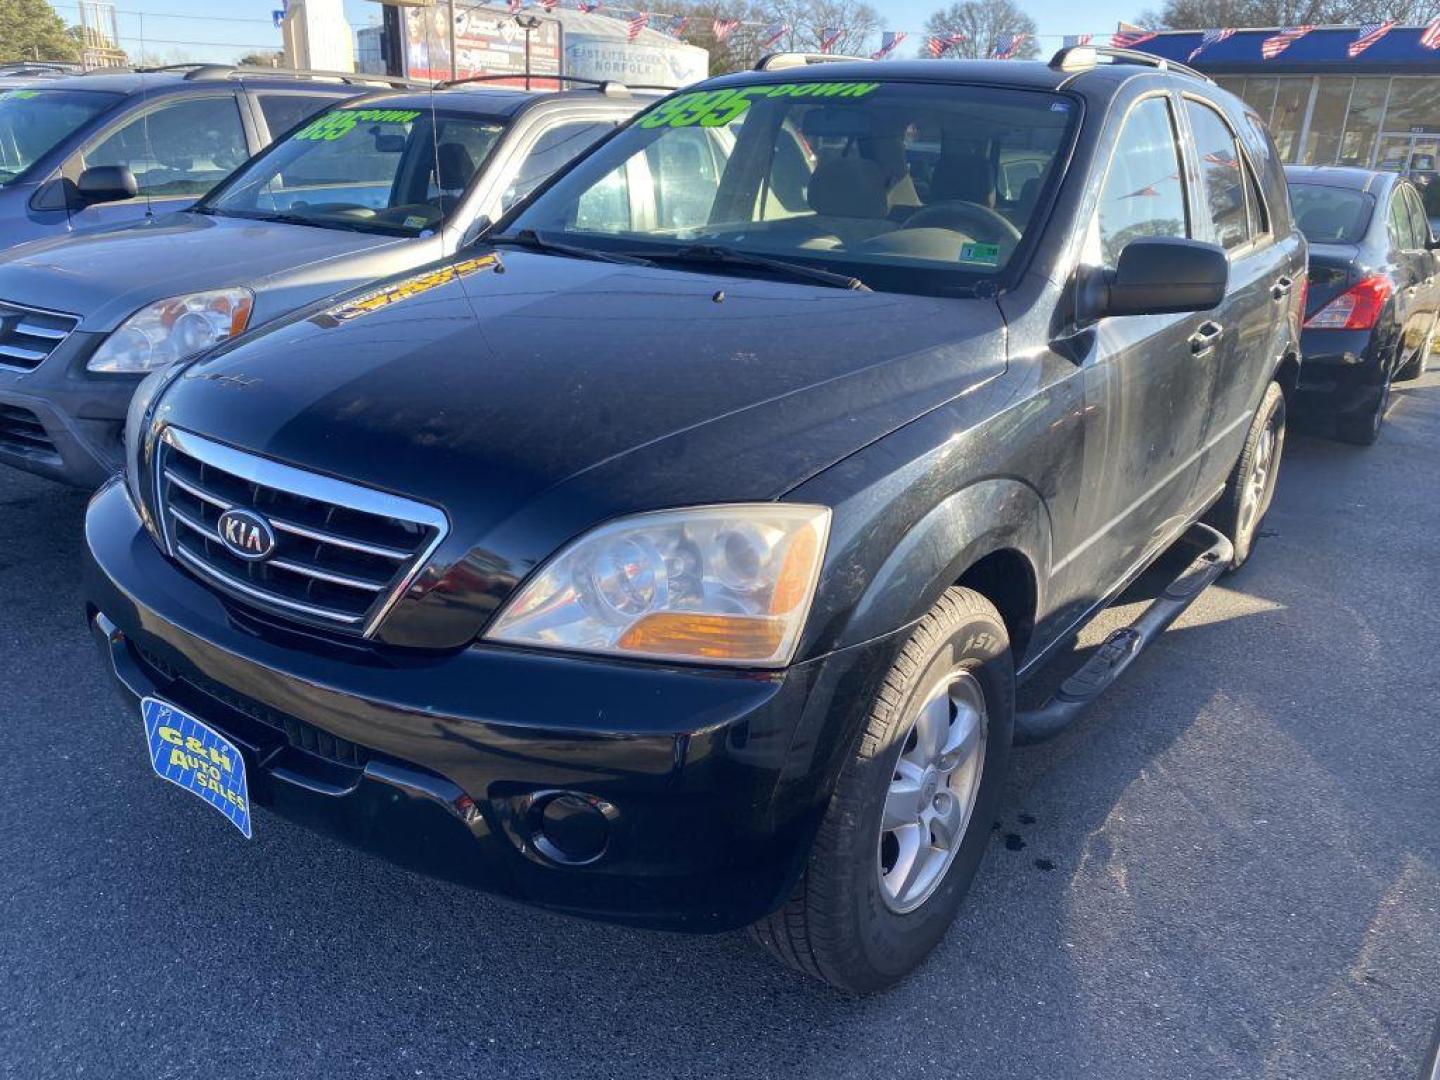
(716, 108)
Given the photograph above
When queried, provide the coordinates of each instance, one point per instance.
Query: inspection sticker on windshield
(196, 757)
(984, 254)
(716, 108)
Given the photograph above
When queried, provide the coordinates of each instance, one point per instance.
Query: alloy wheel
(932, 791)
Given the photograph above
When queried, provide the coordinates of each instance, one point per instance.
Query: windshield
(911, 187)
(33, 121)
(1330, 215)
(390, 170)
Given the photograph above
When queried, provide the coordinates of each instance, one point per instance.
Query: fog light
(571, 828)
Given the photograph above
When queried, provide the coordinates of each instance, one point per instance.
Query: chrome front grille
(29, 335)
(344, 554)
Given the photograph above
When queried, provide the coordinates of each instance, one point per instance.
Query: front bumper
(713, 781)
(61, 421)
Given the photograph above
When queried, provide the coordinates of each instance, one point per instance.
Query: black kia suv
(673, 555)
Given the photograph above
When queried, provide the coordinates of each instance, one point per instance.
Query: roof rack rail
(1085, 57)
(781, 60)
(203, 72)
(608, 87)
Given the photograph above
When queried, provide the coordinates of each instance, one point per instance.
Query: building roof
(1321, 50)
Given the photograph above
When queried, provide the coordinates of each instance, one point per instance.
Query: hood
(105, 275)
(532, 403)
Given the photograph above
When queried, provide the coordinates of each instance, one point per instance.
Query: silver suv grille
(344, 554)
(29, 335)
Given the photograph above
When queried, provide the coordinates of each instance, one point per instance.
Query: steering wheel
(978, 221)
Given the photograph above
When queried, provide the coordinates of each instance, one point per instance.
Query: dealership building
(1380, 109)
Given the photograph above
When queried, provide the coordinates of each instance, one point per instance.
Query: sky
(212, 30)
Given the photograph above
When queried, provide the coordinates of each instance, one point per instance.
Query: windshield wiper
(530, 240)
(718, 255)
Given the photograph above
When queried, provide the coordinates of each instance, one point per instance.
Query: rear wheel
(1247, 496)
(909, 819)
(1416, 367)
(1363, 428)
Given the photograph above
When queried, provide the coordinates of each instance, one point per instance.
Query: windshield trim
(967, 283)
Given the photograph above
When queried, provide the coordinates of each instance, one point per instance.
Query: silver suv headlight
(713, 585)
(170, 330)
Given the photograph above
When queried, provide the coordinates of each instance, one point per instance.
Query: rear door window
(1225, 186)
(1143, 194)
(182, 147)
(1419, 223)
(285, 111)
(554, 148)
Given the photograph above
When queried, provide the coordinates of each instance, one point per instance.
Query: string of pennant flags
(1003, 47)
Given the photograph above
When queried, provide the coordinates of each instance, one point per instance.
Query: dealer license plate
(194, 756)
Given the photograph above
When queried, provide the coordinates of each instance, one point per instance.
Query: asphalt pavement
(1230, 868)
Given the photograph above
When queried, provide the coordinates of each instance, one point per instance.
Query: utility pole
(453, 69)
(528, 23)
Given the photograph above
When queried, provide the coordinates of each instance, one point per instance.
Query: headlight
(173, 329)
(714, 584)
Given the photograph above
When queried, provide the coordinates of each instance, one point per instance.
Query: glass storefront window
(1414, 106)
(1291, 99)
(1362, 123)
(1260, 95)
(1327, 121)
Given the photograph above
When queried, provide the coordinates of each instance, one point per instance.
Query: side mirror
(106, 183)
(1432, 243)
(1166, 275)
(474, 230)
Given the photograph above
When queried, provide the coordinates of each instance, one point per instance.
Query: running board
(1120, 649)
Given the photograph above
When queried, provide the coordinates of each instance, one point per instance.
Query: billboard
(486, 43)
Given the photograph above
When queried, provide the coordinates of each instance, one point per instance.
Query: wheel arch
(992, 536)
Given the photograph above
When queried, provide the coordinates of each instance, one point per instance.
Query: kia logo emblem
(246, 534)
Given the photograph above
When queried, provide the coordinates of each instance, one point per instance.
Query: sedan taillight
(1357, 308)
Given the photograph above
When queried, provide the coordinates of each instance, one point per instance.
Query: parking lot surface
(1230, 867)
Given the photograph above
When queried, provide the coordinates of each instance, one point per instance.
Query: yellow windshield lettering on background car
(340, 122)
(716, 108)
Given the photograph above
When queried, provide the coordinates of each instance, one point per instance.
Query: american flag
(588, 7)
(1007, 46)
(1430, 39)
(723, 28)
(939, 46)
(829, 36)
(677, 26)
(549, 5)
(638, 22)
(1128, 39)
(773, 33)
(1274, 45)
(889, 42)
(1369, 34)
(514, 6)
(1071, 40)
(1210, 37)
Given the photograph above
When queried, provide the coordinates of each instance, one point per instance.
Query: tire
(1247, 497)
(1416, 367)
(1362, 429)
(848, 921)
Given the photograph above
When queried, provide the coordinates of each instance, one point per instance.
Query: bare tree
(856, 21)
(1207, 14)
(983, 23)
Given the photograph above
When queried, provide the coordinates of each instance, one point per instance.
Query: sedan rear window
(1331, 215)
(911, 187)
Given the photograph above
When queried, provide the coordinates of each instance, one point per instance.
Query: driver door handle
(1282, 287)
(1206, 338)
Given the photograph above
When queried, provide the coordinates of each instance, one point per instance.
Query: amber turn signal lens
(709, 637)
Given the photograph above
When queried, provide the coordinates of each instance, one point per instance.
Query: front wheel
(1247, 495)
(909, 819)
